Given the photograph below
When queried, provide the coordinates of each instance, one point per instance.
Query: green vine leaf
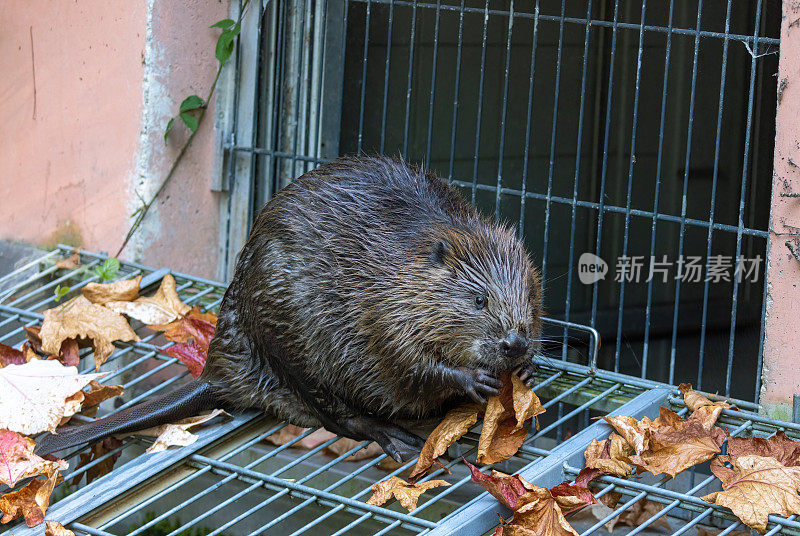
(225, 42)
(192, 102)
(189, 120)
(224, 24)
(108, 269)
(169, 127)
(60, 292)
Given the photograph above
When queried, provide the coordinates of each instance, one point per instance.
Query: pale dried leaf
(594, 513)
(695, 400)
(81, 318)
(54, 528)
(70, 263)
(633, 431)
(36, 396)
(502, 433)
(526, 403)
(30, 501)
(610, 455)
(455, 424)
(161, 308)
(407, 494)
(177, 434)
(642, 511)
(539, 516)
(755, 487)
(17, 460)
(124, 290)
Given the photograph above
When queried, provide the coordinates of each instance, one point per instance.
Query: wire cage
(640, 132)
(232, 482)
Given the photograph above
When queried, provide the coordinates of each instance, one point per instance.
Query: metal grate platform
(231, 482)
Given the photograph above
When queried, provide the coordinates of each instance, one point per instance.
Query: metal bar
(110, 486)
(594, 22)
(479, 112)
(409, 77)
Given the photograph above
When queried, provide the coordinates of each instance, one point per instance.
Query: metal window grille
(231, 482)
(619, 128)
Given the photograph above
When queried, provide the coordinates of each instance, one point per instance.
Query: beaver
(369, 293)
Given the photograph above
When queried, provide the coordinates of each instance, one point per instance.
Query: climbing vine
(191, 112)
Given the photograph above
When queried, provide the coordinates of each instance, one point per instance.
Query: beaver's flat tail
(187, 401)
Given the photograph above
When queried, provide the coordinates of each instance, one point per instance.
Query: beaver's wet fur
(368, 292)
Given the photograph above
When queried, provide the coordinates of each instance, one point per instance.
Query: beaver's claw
(526, 372)
(478, 384)
(395, 441)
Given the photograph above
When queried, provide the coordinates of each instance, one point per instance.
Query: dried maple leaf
(508, 489)
(778, 446)
(81, 318)
(11, 356)
(54, 528)
(97, 451)
(17, 460)
(177, 434)
(68, 355)
(98, 393)
(190, 354)
(101, 293)
(540, 515)
(642, 511)
(755, 487)
(503, 433)
(71, 262)
(677, 444)
(194, 325)
(30, 501)
(695, 400)
(407, 494)
(455, 424)
(36, 396)
(573, 497)
(163, 307)
(610, 455)
(633, 431)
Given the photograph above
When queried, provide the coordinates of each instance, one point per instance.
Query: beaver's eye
(480, 302)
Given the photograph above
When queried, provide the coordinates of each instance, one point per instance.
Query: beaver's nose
(514, 345)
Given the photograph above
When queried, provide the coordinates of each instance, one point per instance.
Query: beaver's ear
(440, 251)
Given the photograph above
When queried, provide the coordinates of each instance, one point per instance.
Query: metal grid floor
(231, 482)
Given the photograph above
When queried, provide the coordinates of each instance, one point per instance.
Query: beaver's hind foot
(395, 441)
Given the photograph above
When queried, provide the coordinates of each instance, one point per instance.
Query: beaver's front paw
(526, 372)
(478, 384)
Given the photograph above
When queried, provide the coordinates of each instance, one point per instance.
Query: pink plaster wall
(781, 372)
(107, 81)
(64, 167)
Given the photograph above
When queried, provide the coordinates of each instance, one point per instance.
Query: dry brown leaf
(633, 431)
(161, 308)
(11, 356)
(526, 403)
(69, 355)
(54, 528)
(177, 434)
(503, 434)
(124, 290)
(610, 455)
(98, 393)
(677, 444)
(346, 444)
(178, 331)
(291, 431)
(97, 451)
(455, 424)
(640, 512)
(36, 396)
(81, 318)
(540, 515)
(30, 501)
(71, 262)
(17, 460)
(755, 487)
(407, 494)
(508, 489)
(695, 400)
(572, 497)
(780, 447)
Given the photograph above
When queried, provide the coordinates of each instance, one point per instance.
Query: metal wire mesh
(233, 482)
(618, 128)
